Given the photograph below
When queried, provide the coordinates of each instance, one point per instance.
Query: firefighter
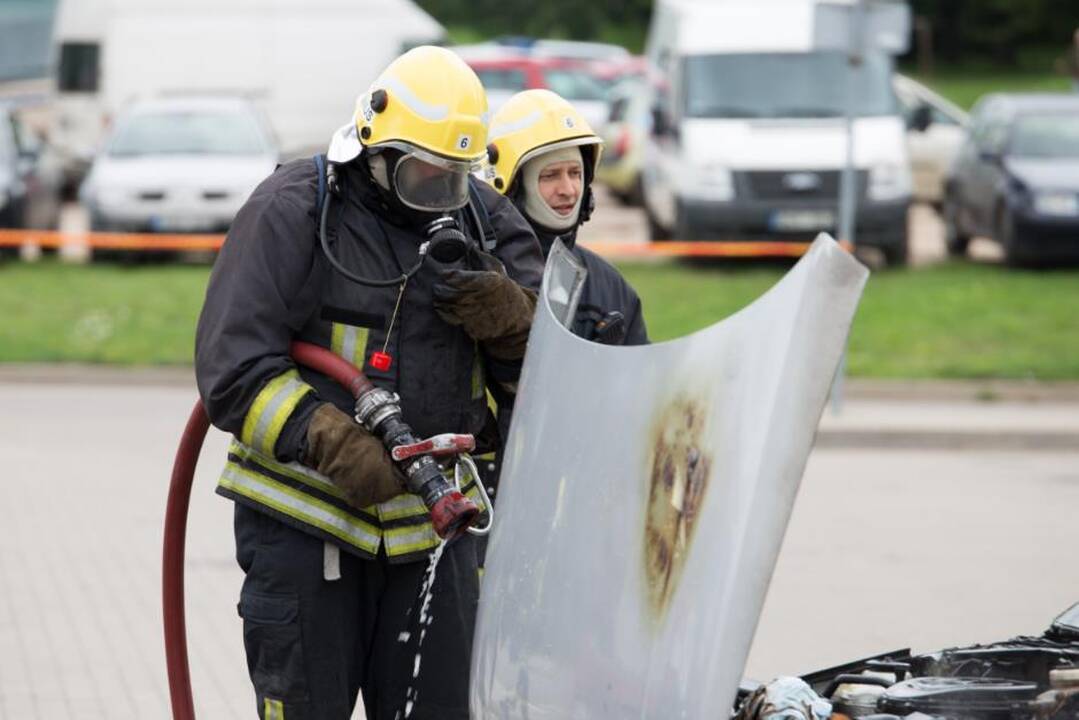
(543, 155)
(333, 548)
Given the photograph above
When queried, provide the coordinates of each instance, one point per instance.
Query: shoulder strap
(320, 168)
(482, 218)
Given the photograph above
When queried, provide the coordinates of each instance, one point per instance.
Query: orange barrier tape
(110, 240)
(151, 241)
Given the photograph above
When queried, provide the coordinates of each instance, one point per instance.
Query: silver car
(178, 165)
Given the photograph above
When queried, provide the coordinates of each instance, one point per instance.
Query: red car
(507, 75)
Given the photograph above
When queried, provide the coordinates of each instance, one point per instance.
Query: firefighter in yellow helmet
(341, 251)
(543, 155)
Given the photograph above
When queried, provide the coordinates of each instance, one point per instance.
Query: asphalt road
(885, 549)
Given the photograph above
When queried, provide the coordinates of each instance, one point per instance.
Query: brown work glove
(341, 449)
(489, 306)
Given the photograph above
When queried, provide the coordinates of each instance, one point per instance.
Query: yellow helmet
(430, 107)
(529, 124)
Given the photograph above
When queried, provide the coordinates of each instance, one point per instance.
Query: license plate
(793, 220)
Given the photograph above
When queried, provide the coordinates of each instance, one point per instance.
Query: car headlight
(888, 181)
(1061, 204)
(708, 182)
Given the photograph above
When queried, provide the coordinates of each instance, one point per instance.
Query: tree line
(995, 31)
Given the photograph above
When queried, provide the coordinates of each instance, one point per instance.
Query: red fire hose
(453, 512)
(183, 474)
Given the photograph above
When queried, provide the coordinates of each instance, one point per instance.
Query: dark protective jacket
(605, 293)
(272, 284)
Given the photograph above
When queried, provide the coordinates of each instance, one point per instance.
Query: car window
(7, 139)
(78, 69)
(574, 84)
(1046, 136)
(503, 79)
(191, 133)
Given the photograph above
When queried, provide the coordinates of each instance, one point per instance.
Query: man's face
(560, 186)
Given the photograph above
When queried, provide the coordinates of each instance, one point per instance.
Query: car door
(934, 149)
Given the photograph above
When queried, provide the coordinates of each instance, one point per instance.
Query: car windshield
(188, 133)
(785, 85)
(1046, 136)
(574, 84)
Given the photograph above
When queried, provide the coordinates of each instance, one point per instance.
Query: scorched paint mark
(678, 475)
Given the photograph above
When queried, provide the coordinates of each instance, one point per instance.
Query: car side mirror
(921, 118)
(993, 157)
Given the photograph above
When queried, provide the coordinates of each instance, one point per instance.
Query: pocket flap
(268, 609)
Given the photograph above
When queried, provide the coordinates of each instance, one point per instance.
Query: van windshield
(785, 85)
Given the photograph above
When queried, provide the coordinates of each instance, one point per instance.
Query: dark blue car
(1016, 179)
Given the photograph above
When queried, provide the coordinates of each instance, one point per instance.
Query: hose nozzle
(452, 514)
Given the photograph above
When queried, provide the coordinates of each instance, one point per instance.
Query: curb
(948, 440)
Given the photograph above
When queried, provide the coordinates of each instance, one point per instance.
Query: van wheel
(656, 232)
(897, 255)
(683, 230)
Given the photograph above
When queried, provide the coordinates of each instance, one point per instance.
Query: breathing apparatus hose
(451, 512)
(445, 243)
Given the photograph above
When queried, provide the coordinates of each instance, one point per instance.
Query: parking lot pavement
(615, 221)
(885, 548)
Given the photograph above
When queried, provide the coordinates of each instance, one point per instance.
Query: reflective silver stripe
(348, 344)
(262, 428)
(517, 125)
(295, 504)
(429, 112)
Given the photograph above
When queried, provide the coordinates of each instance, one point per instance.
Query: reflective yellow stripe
(350, 342)
(272, 407)
(477, 377)
(273, 710)
(402, 506)
(402, 541)
(299, 505)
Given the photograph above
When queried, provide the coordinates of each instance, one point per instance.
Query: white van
(748, 139)
(303, 62)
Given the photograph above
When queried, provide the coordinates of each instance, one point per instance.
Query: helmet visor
(429, 183)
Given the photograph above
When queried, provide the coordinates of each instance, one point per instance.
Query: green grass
(964, 86)
(949, 321)
(952, 321)
(53, 312)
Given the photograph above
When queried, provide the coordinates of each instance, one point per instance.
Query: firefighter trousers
(314, 644)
